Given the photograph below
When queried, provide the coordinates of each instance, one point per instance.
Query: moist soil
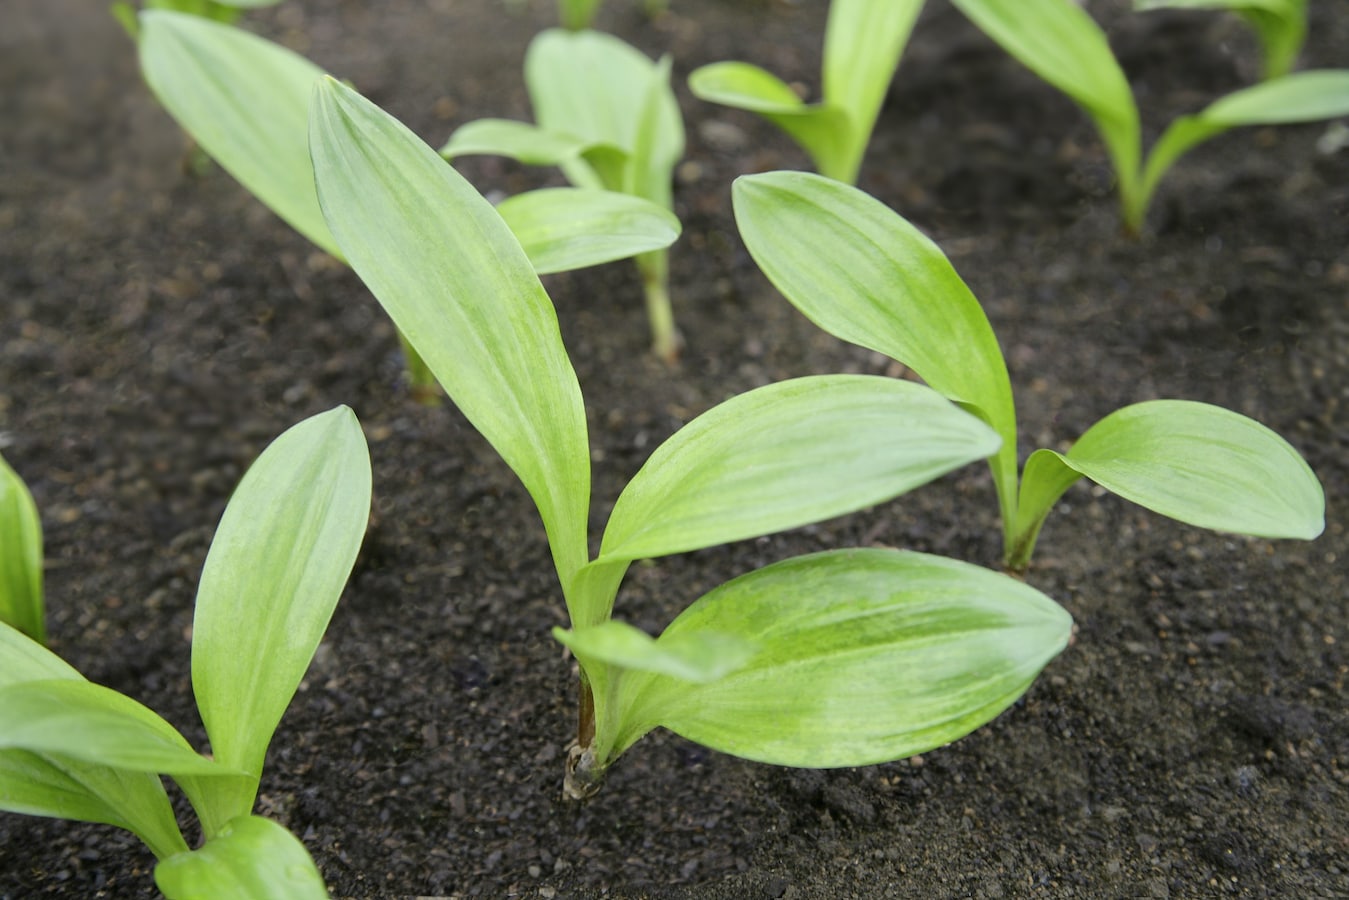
(158, 327)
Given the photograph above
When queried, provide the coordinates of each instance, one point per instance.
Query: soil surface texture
(158, 328)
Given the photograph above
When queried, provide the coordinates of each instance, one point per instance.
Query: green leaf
(1281, 25)
(56, 785)
(24, 659)
(1301, 97)
(277, 565)
(20, 557)
(696, 657)
(88, 722)
(577, 14)
(251, 859)
(245, 100)
(863, 41)
(822, 130)
(444, 265)
(520, 141)
(864, 274)
(862, 656)
(789, 454)
(1060, 42)
(1204, 466)
(570, 228)
(659, 140)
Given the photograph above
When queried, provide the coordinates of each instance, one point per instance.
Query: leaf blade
(789, 454)
(21, 603)
(459, 287)
(252, 858)
(562, 229)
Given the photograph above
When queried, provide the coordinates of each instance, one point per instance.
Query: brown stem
(583, 776)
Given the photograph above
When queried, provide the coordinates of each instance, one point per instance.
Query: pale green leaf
(659, 140)
(24, 659)
(64, 788)
(1204, 466)
(444, 265)
(822, 130)
(20, 557)
(862, 656)
(588, 85)
(245, 100)
(863, 41)
(864, 274)
(92, 723)
(55, 785)
(695, 657)
(789, 454)
(1281, 25)
(1059, 41)
(251, 859)
(520, 141)
(570, 228)
(277, 565)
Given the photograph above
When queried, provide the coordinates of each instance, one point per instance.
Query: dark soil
(157, 329)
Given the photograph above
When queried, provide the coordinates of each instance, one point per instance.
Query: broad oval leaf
(864, 274)
(863, 656)
(788, 454)
(20, 557)
(85, 721)
(1205, 466)
(251, 859)
(444, 265)
(276, 568)
(562, 229)
(246, 102)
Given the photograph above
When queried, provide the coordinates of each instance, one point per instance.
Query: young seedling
(245, 100)
(75, 750)
(838, 658)
(608, 119)
(20, 557)
(1280, 25)
(863, 41)
(1058, 41)
(865, 275)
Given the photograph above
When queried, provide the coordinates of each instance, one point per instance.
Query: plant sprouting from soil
(20, 557)
(838, 658)
(1280, 25)
(864, 274)
(863, 41)
(281, 555)
(1061, 43)
(245, 100)
(608, 119)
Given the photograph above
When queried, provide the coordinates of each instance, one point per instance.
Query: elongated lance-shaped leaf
(252, 858)
(861, 656)
(788, 454)
(864, 274)
(52, 784)
(1281, 25)
(1059, 41)
(822, 130)
(457, 284)
(1194, 462)
(95, 724)
(863, 41)
(521, 141)
(562, 229)
(659, 139)
(246, 102)
(280, 557)
(20, 557)
(1300, 97)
